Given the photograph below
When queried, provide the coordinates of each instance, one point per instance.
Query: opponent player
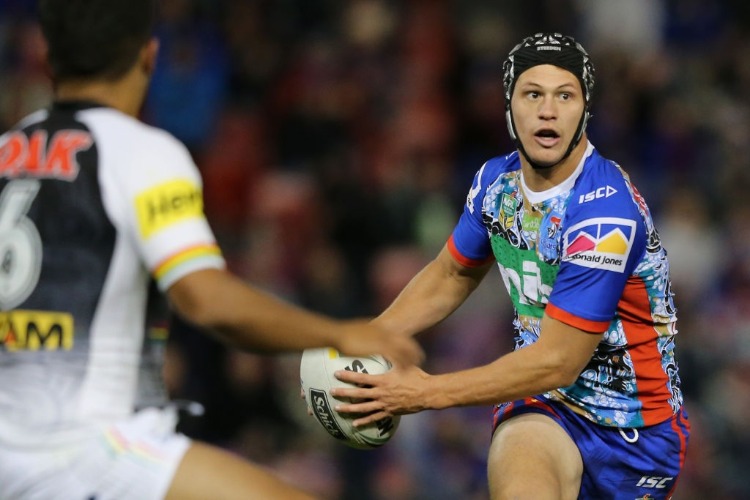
(589, 403)
(93, 204)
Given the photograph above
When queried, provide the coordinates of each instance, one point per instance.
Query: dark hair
(95, 38)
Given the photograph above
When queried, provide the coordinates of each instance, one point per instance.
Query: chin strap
(519, 145)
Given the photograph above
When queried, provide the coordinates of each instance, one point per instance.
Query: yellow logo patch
(35, 330)
(167, 204)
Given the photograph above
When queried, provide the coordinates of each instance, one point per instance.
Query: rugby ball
(316, 376)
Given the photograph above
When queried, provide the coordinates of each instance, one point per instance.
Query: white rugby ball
(317, 379)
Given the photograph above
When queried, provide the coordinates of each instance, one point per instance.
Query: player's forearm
(248, 318)
(272, 325)
(431, 296)
(554, 361)
(424, 302)
(516, 375)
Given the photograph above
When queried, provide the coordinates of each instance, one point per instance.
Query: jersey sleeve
(162, 199)
(469, 244)
(603, 240)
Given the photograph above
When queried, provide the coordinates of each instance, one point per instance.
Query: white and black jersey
(93, 206)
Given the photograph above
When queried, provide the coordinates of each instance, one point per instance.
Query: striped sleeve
(186, 261)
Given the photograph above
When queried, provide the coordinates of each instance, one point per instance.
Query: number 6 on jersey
(20, 244)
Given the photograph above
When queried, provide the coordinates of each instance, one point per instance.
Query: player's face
(547, 105)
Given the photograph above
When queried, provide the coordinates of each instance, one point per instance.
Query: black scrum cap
(549, 48)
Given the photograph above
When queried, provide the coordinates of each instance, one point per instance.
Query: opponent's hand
(399, 391)
(304, 398)
(363, 338)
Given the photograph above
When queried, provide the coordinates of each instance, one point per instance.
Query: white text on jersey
(602, 192)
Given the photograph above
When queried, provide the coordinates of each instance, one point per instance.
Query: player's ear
(149, 55)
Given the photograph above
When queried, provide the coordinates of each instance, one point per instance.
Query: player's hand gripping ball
(317, 379)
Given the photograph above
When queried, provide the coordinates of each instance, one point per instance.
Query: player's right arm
(432, 295)
(248, 318)
(446, 282)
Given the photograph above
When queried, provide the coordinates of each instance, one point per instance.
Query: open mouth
(547, 137)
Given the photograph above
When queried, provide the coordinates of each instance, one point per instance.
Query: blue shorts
(627, 464)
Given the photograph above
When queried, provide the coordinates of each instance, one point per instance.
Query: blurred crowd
(338, 140)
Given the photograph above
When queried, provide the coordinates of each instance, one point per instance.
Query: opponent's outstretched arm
(250, 319)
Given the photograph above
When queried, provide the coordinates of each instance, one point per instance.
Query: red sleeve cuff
(588, 326)
(465, 261)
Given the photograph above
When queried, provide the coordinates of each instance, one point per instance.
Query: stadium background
(338, 139)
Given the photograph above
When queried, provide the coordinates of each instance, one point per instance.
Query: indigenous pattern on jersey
(94, 205)
(585, 252)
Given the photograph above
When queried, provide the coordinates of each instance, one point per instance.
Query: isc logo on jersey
(602, 192)
(166, 204)
(600, 243)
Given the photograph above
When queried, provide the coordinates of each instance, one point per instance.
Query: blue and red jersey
(585, 253)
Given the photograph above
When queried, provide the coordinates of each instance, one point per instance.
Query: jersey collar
(535, 197)
(74, 105)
